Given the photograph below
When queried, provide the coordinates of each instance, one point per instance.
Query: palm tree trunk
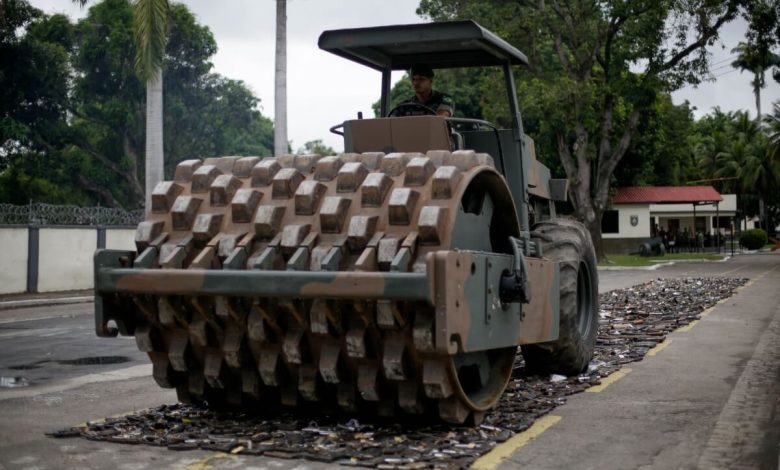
(762, 213)
(154, 135)
(280, 95)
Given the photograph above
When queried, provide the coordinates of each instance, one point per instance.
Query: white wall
(626, 230)
(13, 262)
(64, 256)
(120, 238)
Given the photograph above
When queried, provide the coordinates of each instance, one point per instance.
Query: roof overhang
(697, 195)
(440, 45)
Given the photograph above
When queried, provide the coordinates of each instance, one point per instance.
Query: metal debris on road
(633, 321)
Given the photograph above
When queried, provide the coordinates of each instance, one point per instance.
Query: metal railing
(53, 214)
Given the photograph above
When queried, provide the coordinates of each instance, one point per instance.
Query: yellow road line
(609, 380)
(687, 327)
(659, 347)
(206, 463)
(503, 451)
(709, 310)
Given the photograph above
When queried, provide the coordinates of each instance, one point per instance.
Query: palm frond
(151, 29)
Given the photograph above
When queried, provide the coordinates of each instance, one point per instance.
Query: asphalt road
(707, 399)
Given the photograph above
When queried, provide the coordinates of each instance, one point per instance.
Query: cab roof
(440, 45)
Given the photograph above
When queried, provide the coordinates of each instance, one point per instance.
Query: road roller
(396, 278)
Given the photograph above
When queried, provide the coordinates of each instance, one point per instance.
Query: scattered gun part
(632, 321)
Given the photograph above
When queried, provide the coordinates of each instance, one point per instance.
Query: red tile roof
(665, 194)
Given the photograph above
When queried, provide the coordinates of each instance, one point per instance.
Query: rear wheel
(568, 242)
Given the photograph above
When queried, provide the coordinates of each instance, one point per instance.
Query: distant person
(673, 241)
(664, 239)
(700, 241)
(424, 94)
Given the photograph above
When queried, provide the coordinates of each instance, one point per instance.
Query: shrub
(753, 239)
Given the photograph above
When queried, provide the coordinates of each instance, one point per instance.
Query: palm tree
(772, 126)
(748, 158)
(151, 29)
(280, 91)
(770, 165)
(150, 18)
(756, 60)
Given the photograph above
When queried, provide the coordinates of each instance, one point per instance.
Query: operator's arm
(446, 107)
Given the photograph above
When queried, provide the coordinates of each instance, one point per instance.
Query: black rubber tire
(568, 242)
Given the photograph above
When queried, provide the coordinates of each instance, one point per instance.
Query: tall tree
(756, 53)
(735, 151)
(151, 26)
(772, 128)
(34, 102)
(74, 107)
(772, 123)
(34, 76)
(150, 20)
(596, 67)
(756, 60)
(280, 80)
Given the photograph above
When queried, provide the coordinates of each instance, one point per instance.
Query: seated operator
(424, 94)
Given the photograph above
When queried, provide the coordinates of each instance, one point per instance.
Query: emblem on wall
(634, 220)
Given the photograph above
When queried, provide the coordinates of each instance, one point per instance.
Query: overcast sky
(323, 90)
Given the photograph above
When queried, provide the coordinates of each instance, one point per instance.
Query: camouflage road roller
(396, 278)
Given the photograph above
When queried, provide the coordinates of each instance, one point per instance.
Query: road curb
(27, 303)
(660, 265)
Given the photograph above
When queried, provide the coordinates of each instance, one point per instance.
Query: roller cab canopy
(440, 45)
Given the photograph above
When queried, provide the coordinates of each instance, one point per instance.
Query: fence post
(33, 245)
(101, 236)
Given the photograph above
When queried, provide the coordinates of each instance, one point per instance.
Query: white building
(639, 213)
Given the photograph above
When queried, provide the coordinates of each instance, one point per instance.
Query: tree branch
(104, 194)
(133, 181)
(706, 36)
(608, 162)
(566, 158)
(605, 146)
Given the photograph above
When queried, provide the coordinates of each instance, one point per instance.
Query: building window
(609, 222)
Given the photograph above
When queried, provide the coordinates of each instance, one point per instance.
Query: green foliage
(596, 72)
(73, 108)
(662, 152)
(733, 150)
(34, 177)
(641, 261)
(772, 127)
(753, 239)
(33, 79)
(150, 23)
(316, 147)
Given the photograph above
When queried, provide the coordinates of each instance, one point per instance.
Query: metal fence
(52, 214)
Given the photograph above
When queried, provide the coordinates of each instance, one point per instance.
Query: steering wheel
(405, 109)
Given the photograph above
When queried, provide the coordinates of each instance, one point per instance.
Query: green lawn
(638, 261)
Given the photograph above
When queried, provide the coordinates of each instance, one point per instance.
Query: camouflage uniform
(437, 102)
